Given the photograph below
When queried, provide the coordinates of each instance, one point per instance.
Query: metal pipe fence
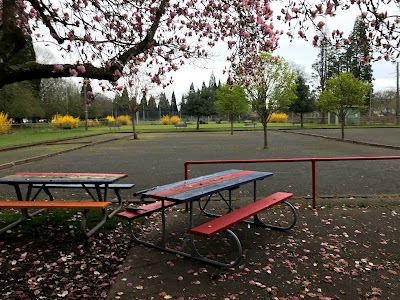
(313, 162)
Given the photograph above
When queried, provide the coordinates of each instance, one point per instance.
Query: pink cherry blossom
(57, 68)
(81, 69)
(73, 72)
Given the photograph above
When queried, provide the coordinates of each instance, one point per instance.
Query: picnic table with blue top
(100, 183)
(203, 188)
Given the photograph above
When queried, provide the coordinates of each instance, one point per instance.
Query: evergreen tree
(191, 89)
(198, 104)
(174, 107)
(304, 102)
(121, 103)
(143, 106)
(183, 103)
(152, 105)
(163, 105)
(325, 65)
(152, 111)
(213, 83)
(359, 49)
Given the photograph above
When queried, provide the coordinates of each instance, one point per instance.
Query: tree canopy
(273, 88)
(231, 101)
(97, 40)
(199, 103)
(304, 102)
(343, 93)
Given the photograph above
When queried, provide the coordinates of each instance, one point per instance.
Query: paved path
(158, 158)
(379, 136)
(16, 156)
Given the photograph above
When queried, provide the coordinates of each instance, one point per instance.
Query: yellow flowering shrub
(110, 120)
(278, 118)
(59, 121)
(124, 120)
(5, 123)
(165, 120)
(174, 120)
(94, 123)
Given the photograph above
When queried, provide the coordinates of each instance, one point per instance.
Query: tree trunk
(135, 136)
(265, 134)
(342, 129)
(231, 119)
(198, 123)
(301, 120)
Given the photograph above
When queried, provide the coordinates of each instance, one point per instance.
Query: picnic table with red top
(41, 180)
(203, 188)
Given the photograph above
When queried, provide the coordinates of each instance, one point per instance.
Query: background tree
(198, 104)
(324, 66)
(182, 105)
(104, 105)
(152, 108)
(212, 83)
(357, 49)
(231, 101)
(174, 107)
(272, 90)
(384, 102)
(20, 101)
(143, 106)
(304, 102)
(343, 93)
(163, 105)
(137, 86)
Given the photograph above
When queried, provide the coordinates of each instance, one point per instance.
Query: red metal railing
(288, 160)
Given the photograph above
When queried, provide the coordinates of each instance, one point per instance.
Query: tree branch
(32, 70)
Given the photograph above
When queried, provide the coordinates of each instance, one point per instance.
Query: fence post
(313, 175)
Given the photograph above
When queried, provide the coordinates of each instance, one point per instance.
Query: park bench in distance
(180, 125)
(114, 126)
(249, 123)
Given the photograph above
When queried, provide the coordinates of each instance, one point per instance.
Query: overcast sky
(300, 52)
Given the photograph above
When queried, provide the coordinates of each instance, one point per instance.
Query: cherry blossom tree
(97, 39)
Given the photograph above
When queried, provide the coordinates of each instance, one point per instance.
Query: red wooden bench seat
(144, 210)
(226, 221)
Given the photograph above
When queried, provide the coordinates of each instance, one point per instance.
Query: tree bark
(265, 134)
(135, 135)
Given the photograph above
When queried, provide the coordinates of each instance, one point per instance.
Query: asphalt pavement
(158, 158)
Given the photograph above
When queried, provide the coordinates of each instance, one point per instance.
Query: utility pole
(86, 105)
(397, 95)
